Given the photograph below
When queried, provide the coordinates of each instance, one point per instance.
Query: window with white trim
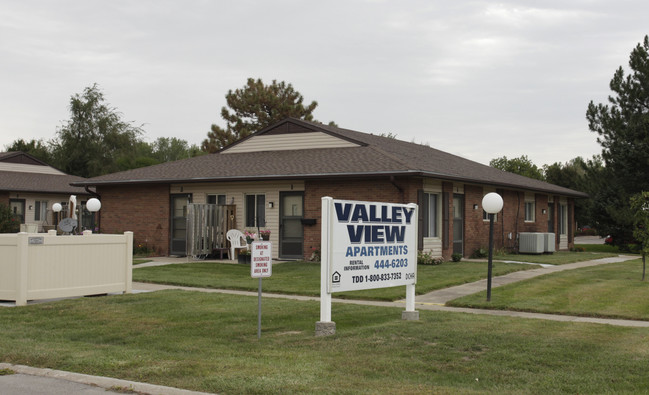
(40, 210)
(530, 208)
(485, 216)
(255, 209)
(563, 219)
(431, 225)
(216, 199)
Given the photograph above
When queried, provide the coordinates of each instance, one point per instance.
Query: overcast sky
(479, 79)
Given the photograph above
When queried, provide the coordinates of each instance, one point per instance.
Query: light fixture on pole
(93, 205)
(491, 203)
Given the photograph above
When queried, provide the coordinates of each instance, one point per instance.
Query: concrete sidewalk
(38, 381)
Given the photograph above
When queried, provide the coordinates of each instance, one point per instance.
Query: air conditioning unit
(531, 243)
(548, 243)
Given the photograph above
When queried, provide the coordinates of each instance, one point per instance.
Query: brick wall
(509, 222)
(399, 190)
(474, 224)
(142, 209)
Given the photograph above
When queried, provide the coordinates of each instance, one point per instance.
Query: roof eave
(327, 175)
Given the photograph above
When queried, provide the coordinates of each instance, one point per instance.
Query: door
(458, 224)
(291, 231)
(18, 209)
(178, 244)
(551, 217)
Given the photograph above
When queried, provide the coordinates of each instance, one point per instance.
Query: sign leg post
(259, 311)
(410, 314)
(325, 326)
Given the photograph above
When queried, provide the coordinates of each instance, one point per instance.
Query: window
(216, 199)
(485, 216)
(255, 210)
(40, 210)
(563, 219)
(529, 211)
(431, 201)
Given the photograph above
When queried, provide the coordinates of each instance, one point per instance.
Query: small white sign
(261, 263)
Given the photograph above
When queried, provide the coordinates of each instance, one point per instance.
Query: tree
(522, 165)
(640, 207)
(8, 221)
(95, 139)
(581, 175)
(166, 149)
(254, 107)
(622, 126)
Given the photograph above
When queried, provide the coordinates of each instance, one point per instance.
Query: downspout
(398, 188)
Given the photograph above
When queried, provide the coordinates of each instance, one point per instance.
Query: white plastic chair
(237, 241)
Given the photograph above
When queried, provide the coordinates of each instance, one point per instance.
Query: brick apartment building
(30, 186)
(276, 177)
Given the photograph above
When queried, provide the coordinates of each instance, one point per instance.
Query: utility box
(531, 243)
(549, 243)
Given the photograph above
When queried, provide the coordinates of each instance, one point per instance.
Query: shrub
(315, 254)
(142, 249)
(456, 257)
(8, 222)
(480, 253)
(426, 258)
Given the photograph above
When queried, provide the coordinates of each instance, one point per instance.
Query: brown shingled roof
(41, 178)
(39, 183)
(376, 156)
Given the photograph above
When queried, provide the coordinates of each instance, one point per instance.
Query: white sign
(370, 245)
(261, 263)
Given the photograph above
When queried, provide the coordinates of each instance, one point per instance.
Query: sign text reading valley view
(373, 245)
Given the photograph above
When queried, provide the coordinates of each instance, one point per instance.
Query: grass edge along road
(208, 342)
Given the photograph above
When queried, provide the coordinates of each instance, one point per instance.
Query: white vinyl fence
(45, 266)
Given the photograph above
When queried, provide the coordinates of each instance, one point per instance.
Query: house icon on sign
(335, 277)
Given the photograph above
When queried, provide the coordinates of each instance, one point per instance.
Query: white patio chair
(237, 241)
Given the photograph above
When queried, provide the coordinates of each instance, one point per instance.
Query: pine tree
(623, 129)
(254, 107)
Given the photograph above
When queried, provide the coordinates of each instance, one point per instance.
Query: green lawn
(611, 290)
(208, 342)
(303, 278)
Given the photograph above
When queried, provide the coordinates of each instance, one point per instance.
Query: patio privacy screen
(207, 225)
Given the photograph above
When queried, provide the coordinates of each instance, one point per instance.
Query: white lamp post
(491, 203)
(93, 205)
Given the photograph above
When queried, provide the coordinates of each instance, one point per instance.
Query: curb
(107, 383)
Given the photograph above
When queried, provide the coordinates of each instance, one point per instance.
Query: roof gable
(291, 134)
(20, 157)
(21, 172)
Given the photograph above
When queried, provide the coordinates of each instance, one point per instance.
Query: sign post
(261, 265)
(366, 245)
